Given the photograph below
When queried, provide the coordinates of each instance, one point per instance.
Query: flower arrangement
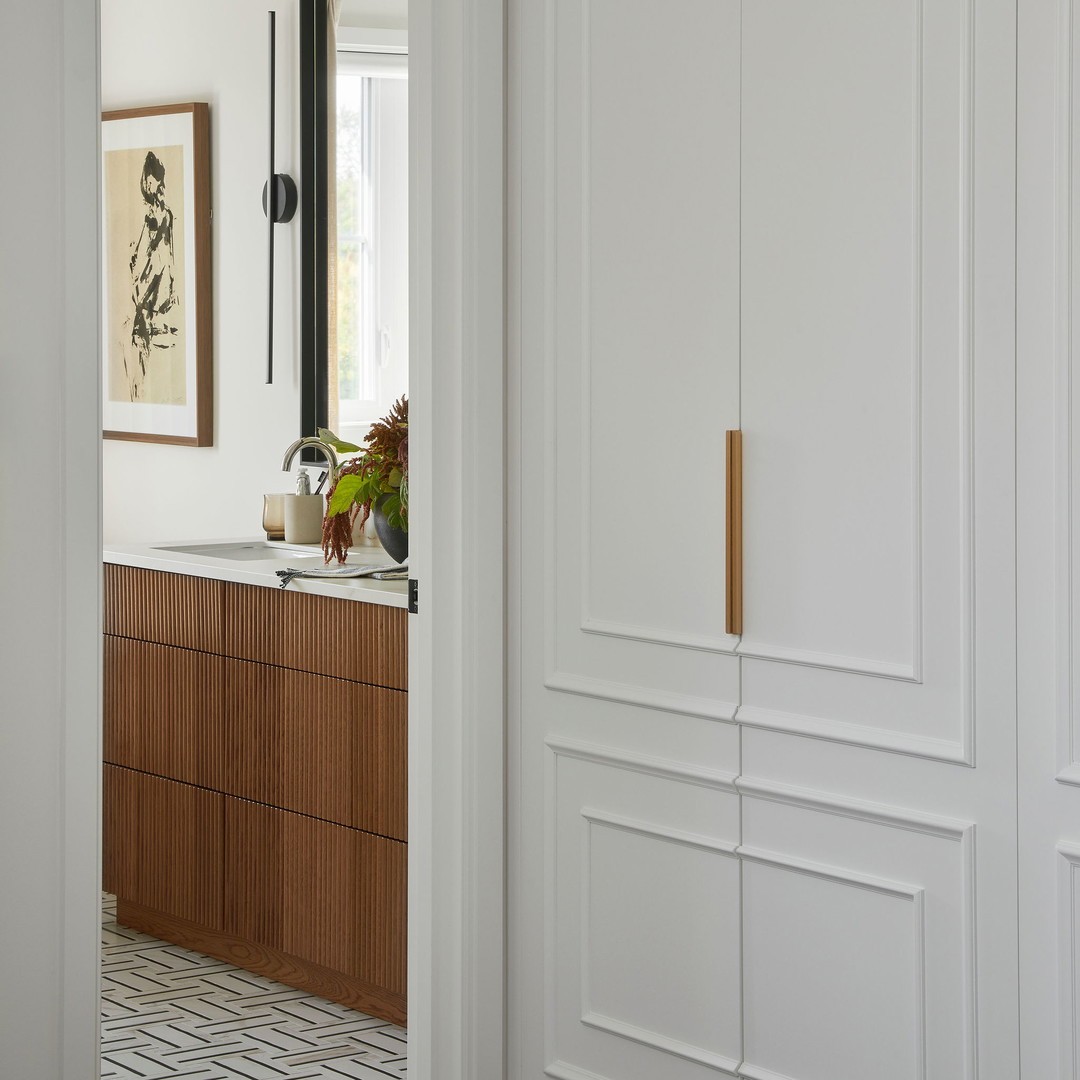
(379, 478)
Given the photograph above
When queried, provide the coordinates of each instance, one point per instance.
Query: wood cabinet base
(303, 974)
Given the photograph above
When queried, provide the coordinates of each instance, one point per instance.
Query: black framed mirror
(314, 198)
(353, 216)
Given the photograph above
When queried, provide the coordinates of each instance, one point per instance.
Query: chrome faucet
(325, 449)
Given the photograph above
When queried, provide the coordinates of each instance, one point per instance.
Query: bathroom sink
(244, 549)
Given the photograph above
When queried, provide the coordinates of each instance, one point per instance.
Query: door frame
(457, 697)
(457, 641)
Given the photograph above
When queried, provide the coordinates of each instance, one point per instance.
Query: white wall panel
(857, 371)
(1049, 598)
(1068, 934)
(645, 279)
(832, 276)
(644, 890)
(834, 974)
(660, 268)
(859, 927)
(1067, 400)
(646, 895)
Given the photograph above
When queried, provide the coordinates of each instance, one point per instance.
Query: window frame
(372, 63)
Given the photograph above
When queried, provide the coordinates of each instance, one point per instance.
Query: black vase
(394, 541)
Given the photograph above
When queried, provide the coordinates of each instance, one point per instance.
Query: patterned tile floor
(168, 1013)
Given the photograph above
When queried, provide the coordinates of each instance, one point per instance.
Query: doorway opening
(213, 966)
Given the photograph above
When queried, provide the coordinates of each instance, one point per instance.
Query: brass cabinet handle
(734, 575)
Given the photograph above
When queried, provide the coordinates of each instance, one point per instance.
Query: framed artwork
(157, 325)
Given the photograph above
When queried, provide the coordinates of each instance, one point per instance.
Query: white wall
(375, 14)
(49, 616)
(156, 52)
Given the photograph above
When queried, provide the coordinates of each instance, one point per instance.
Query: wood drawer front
(321, 634)
(325, 747)
(320, 892)
(170, 609)
(163, 711)
(164, 845)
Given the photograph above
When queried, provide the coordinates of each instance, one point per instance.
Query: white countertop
(162, 555)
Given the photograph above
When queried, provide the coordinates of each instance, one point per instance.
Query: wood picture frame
(157, 301)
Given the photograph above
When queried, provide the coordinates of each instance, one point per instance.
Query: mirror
(354, 136)
(314, 207)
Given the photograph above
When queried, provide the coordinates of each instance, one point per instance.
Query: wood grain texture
(201, 686)
(291, 970)
(169, 609)
(163, 711)
(204, 327)
(332, 895)
(321, 634)
(164, 845)
(319, 746)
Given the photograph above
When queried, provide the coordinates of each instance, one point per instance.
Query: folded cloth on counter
(395, 572)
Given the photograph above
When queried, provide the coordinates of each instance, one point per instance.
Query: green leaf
(344, 495)
(394, 479)
(331, 439)
(391, 507)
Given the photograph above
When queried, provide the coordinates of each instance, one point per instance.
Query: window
(372, 298)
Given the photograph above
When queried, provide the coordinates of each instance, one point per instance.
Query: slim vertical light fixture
(279, 198)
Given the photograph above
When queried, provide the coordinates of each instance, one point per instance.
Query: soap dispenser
(303, 513)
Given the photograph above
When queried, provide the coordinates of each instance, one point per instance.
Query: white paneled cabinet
(789, 854)
(1048, 591)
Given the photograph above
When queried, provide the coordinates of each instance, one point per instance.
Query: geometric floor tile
(171, 1013)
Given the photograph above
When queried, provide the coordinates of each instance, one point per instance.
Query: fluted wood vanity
(255, 779)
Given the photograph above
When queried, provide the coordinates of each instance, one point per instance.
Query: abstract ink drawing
(157, 317)
(154, 293)
(144, 242)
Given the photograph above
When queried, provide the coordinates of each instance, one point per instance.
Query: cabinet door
(163, 845)
(625, 889)
(878, 653)
(791, 854)
(329, 748)
(321, 892)
(163, 711)
(321, 634)
(172, 609)
(876, 364)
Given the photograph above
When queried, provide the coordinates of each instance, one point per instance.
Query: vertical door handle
(734, 574)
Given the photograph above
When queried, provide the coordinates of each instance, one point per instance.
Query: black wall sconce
(279, 199)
